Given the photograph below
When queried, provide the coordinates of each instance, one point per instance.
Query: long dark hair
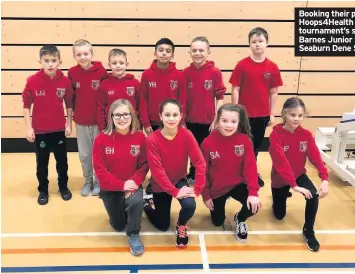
(243, 125)
(164, 103)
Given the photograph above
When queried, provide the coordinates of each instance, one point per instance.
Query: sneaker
(86, 189)
(43, 198)
(260, 181)
(182, 240)
(311, 241)
(66, 194)
(95, 189)
(135, 244)
(241, 230)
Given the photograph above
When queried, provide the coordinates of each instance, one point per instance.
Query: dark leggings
(279, 197)
(160, 215)
(239, 193)
(258, 127)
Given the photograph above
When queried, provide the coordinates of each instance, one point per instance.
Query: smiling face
(83, 55)
(122, 118)
(164, 54)
(199, 52)
(228, 122)
(293, 117)
(171, 116)
(118, 63)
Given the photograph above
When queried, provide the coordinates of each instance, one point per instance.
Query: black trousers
(200, 132)
(239, 193)
(258, 127)
(279, 198)
(160, 215)
(45, 144)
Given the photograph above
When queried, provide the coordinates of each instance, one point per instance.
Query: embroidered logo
(111, 92)
(303, 146)
(173, 84)
(95, 84)
(190, 85)
(239, 150)
(130, 91)
(152, 84)
(286, 148)
(77, 85)
(135, 149)
(109, 150)
(267, 75)
(60, 92)
(208, 84)
(42, 144)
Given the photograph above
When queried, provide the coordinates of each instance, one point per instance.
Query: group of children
(127, 127)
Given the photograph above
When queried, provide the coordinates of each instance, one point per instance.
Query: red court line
(173, 248)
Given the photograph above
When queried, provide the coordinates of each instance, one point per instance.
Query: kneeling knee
(189, 204)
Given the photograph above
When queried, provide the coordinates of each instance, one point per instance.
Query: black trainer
(66, 194)
(182, 240)
(43, 198)
(149, 189)
(260, 181)
(241, 230)
(311, 241)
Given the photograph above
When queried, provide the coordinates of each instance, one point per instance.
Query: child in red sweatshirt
(231, 168)
(86, 77)
(256, 80)
(204, 92)
(46, 91)
(118, 85)
(290, 146)
(160, 82)
(120, 164)
(168, 151)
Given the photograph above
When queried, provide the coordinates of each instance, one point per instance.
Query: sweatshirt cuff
(146, 125)
(324, 176)
(293, 184)
(253, 192)
(206, 195)
(26, 105)
(220, 97)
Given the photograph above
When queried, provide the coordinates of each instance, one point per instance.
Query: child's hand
(253, 204)
(130, 186)
(323, 190)
(67, 130)
(185, 192)
(209, 204)
(304, 191)
(272, 120)
(148, 130)
(30, 135)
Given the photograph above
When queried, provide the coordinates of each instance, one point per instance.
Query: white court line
(157, 233)
(205, 263)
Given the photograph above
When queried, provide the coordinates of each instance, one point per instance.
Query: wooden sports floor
(75, 236)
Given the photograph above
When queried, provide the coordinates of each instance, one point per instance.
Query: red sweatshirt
(47, 96)
(230, 161)
(255, 81)
(85, 84)
(289, 152)
(112, 89)
(156, 86)
(168, 160)
(203, 86)
(118, 158)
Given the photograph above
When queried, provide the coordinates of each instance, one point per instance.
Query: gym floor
(76, 236)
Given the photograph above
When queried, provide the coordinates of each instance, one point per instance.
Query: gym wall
(324, 83)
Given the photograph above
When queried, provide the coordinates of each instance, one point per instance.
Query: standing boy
(255, 81)
(86, 77)
(46, 90)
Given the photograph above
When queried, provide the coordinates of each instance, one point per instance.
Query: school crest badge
(135, 149)
(60, 92)
(130, 91)
(267, 75)
(173, 84)
(208, 84)
(303, 146)
(239, 150)
(95, 84)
